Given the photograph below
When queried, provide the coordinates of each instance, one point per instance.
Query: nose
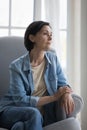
(50, 36)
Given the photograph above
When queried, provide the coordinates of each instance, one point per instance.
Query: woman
(37, 84)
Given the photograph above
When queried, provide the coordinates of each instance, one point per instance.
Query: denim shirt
(21, 80)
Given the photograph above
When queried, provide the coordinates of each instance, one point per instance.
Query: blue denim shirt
(21, 80)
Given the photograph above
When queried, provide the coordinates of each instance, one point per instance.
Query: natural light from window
(63, 32)
(61, 45)
(16, 15)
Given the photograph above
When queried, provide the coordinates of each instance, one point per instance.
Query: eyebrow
(47, 31)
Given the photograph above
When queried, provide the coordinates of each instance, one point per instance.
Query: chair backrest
(10, 49)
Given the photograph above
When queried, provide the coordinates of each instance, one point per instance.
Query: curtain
(37, 9)
(52, 16)
(50, 10)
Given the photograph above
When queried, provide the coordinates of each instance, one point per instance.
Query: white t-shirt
(38, 78)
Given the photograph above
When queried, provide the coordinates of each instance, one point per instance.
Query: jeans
(53, 112)
(21, 118)
(29, 118)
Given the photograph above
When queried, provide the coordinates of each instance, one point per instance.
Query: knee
(36, 119)
(78, 102)
(18, 126)
(33, 113)
(36, 113)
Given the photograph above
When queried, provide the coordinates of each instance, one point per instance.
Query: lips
(49, 42)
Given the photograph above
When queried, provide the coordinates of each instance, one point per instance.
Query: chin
(48, 48)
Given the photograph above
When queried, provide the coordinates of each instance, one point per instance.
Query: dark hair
(33, 28)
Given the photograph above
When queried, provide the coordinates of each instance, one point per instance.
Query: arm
(48, 99)
(62, 82)
(67, 101)
(17, 90)
(61, 77)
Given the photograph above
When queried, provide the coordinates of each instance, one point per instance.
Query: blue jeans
(21, 118)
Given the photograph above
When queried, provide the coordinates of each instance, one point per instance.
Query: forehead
(46, 28)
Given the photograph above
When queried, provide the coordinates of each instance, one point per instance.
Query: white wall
(84, 61)
(74, 41)
(77, 51)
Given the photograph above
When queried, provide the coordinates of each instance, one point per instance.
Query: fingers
(65, 107)
(64, 90)
(67, 89)
(69, 106)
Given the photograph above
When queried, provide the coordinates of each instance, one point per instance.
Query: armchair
(10, 49)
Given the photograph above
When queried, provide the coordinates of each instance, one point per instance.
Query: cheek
(41, 40)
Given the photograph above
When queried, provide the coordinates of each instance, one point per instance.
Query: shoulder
(52, 58)
(51, 54)
(18, 63)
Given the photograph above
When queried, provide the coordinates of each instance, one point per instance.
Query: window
(15, 16)
(55, 12)
(63, 32)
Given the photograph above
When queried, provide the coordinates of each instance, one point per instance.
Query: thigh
(49, 114)
(53, 112)
(13, 114)
(60, 113)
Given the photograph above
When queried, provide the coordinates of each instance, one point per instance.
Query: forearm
(46, 99)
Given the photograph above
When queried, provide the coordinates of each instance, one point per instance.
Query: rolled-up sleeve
(34, 100)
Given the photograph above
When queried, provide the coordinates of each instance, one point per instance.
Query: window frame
(10, 27)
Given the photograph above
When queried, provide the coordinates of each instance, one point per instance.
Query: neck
(36, 57)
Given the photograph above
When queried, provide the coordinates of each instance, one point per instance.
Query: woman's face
(43, 38)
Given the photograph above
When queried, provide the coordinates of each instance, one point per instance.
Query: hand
(61, 91)
(67, 103)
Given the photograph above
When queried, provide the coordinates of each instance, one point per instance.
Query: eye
(45, 33)
(48, 34)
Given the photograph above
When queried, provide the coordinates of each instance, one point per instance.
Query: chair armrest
(78, 105)
(67, 124)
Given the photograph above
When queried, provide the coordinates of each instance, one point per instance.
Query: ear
(31, 37)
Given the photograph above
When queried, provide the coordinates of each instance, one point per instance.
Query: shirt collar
(27, 66)
(48, 58)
